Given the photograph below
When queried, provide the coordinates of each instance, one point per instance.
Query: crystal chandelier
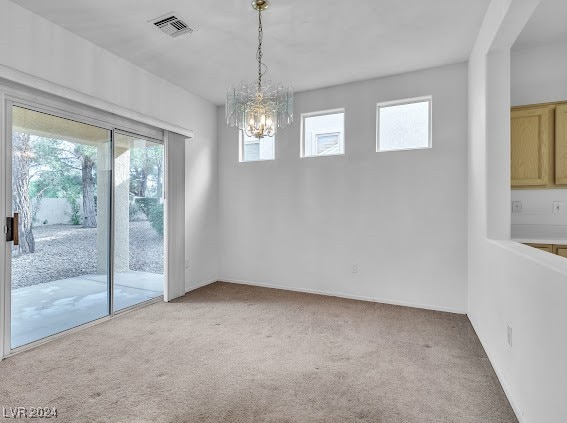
(259, 108)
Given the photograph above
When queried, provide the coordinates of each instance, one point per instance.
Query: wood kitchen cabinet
(561, 144)
(539, 146)
(548, 248)
(560, 250)
(532, 149)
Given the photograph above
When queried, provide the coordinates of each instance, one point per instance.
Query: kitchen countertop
(540, 234)
(540, 240)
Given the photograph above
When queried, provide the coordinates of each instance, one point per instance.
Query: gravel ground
(66, 251)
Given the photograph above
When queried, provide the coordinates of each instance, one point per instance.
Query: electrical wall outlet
(558, 207)
(509, 334)
(355, 268)
(516, 207)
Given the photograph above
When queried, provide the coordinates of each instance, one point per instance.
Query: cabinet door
(532, 135)
(560, 250)
(544, 247)
(561, 145)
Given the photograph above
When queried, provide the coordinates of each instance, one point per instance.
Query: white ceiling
(548, 25)
(308, 44)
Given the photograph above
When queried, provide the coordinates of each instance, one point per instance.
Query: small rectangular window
(403, 125)
(253, 149)
(323, 133)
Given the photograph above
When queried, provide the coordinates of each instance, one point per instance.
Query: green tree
(22, 160)
(87, 156)
(146, 171)
(69, 171)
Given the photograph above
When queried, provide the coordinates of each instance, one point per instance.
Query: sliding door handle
(16, 229)
(12, 231)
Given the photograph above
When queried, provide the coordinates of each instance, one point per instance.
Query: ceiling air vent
(172, 25)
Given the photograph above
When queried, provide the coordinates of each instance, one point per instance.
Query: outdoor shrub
(145, 204)
(156, 218)
(133, 211)
(75, 211)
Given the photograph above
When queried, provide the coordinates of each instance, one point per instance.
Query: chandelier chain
(259, 52)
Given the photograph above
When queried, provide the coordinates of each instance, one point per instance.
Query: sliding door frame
(10, 97)
(7, 211)
(6, 265)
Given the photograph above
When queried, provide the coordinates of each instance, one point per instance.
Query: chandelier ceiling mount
(260, 4)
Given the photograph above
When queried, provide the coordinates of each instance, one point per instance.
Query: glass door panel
(138, 220)
(61, 190)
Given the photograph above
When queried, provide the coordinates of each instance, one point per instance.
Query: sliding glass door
(139, 220)
(86, 224)
(60, 194)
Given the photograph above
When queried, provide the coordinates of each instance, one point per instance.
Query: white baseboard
(500, 377)
(348, 296)
(200, 285)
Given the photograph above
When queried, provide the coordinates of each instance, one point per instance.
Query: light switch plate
(516, 207)
(558, 207)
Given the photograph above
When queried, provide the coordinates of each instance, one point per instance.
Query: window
(323, 133)
(253, 149)
(403, 125)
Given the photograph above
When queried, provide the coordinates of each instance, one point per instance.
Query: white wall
(539, 74)
(510, 283)
(399, 216)
(55, 211)
(32, 45)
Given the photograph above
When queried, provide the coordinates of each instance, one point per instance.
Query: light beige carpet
(233, 353)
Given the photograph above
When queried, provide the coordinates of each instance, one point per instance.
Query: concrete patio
(45, 309)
